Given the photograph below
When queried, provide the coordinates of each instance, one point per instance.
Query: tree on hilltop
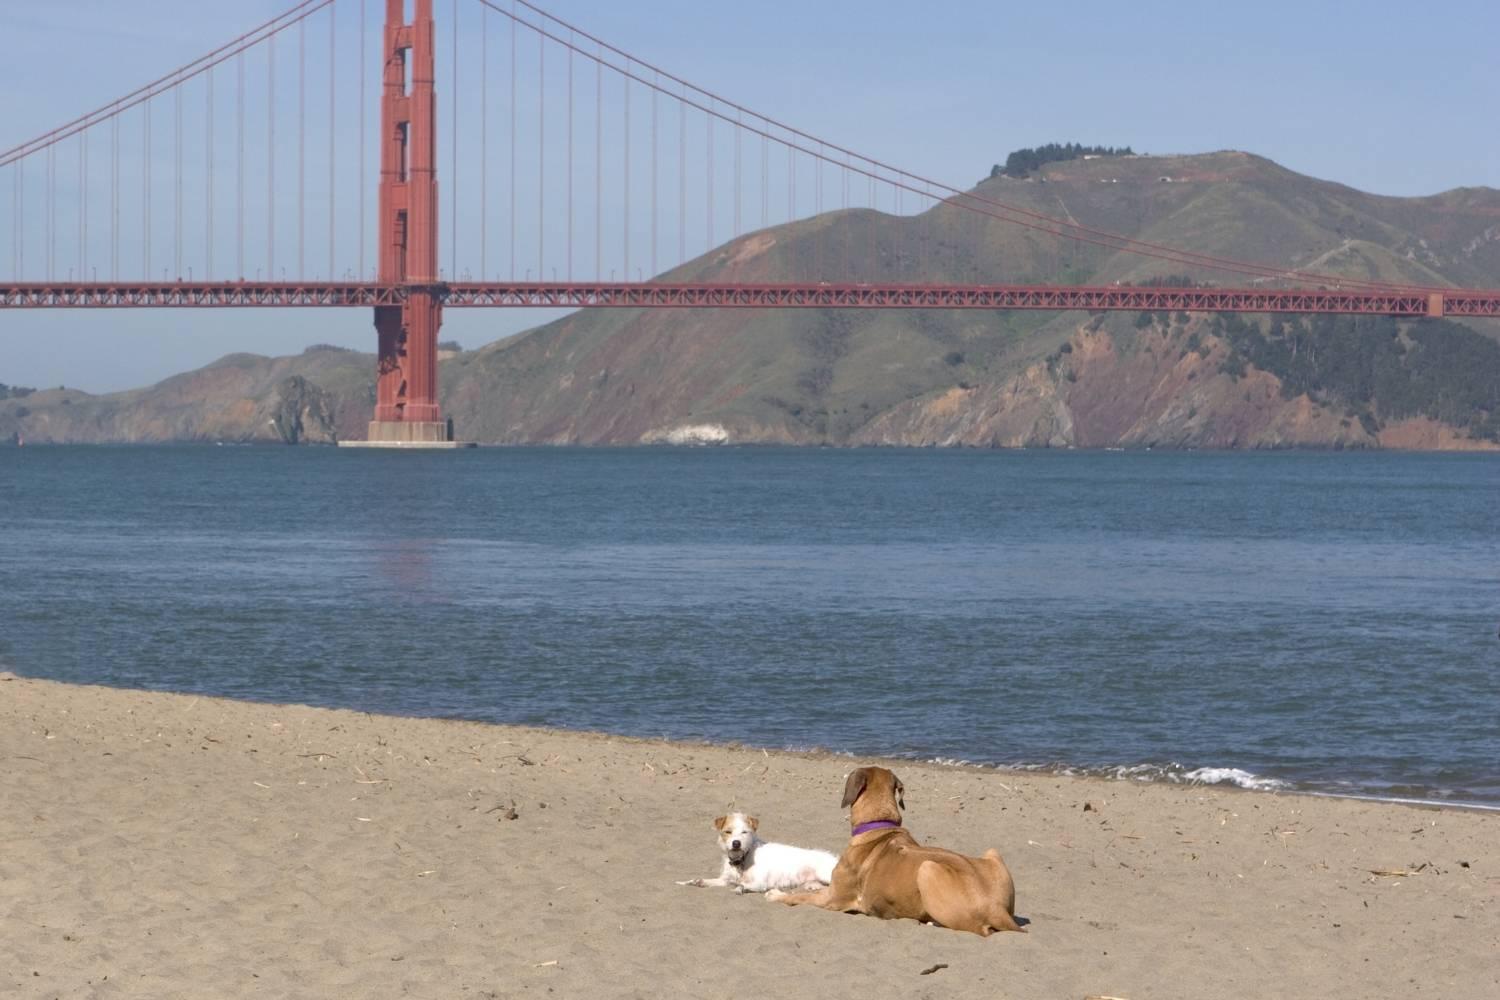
(1024, 162)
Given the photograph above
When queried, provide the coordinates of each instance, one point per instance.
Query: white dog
(752, 865)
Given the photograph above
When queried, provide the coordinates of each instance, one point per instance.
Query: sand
(157, 845)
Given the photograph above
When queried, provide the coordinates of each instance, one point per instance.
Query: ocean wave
(1233, 776)
(952, 762)
(1171, 773)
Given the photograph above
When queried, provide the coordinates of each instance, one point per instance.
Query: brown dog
(884, 871)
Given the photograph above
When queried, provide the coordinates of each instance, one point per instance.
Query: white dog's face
(736, 835)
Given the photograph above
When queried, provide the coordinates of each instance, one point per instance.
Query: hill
(917, 378)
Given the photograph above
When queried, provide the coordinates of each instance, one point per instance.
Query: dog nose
(735, 845)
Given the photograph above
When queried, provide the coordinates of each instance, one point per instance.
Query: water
(1324, 622)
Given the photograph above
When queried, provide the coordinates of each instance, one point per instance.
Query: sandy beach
(159, 845)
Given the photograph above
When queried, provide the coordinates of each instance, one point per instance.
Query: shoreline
(1478, 807)
(1139, 773)
(174, 844)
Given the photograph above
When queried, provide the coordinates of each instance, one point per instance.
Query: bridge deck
(819, 295)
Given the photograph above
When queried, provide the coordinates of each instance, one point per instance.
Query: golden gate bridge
(167, 177)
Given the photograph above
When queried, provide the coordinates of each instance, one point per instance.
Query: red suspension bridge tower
(406, 405)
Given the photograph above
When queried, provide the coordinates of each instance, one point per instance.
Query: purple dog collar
(879, 824)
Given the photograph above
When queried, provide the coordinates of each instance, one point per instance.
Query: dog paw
(772, 895)
(695, 882)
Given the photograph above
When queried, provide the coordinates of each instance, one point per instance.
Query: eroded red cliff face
(1161, 387)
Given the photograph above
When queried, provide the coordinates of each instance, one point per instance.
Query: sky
(1393, 98)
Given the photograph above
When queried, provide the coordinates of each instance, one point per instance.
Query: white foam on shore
(1173, 773)
(1179, 774)
(1232, 776)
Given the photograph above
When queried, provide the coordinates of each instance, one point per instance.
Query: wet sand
(160, 845)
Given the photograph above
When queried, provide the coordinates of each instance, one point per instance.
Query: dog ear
(854, 786)
(754, 823)
(719, 822)
(900, 791)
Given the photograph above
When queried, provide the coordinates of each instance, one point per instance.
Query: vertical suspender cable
(541, 152)
(512, 140)
(484, 143)
(681, 182)
(897, 240)
(208, 181)
(453, 169)
(239, 173)
(177, 181)
(851, 197)
(15, 221)
(21, 215)
(146, 199)
(791, 184)
(114, 200)
(333, 200)
(364, 61)
(737, 200)
(710, 189)
(919, 252)
(50, 214)
(271, 160)
(51, 242)
(301, 149)
(83, 208)
(599, 166)
(625, 235)
(570, 162)
(822, 242)
(818, 212)
(653, 178)
(56, 195)
(765, 184)
(843, 185)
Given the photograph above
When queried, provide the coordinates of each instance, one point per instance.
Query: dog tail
(1001, 920)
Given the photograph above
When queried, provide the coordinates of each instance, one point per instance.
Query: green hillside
(624, 377)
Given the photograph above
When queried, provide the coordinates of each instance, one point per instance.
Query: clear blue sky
(1392, 98)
